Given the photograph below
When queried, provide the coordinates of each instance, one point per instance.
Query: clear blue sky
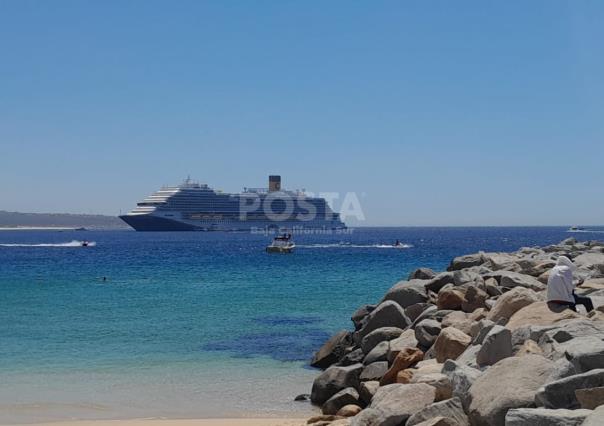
(439, 112)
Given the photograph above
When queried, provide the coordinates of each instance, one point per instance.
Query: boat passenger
(561, 288)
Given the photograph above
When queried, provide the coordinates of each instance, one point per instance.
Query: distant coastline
(57, 221)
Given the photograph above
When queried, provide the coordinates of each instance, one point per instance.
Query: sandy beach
(188, 422)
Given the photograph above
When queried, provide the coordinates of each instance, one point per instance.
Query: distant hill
(91, 221)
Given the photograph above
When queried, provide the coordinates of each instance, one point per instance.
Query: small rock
(439, 281)
(404, 376)
(492, 288)
(561, 393)
(458, 319)
(322, 419)
(426, 332)
(474, 299)
(466, 261)
(545, 417)
(595, 418)
(405, 340)
(450, 343)
(461, 377)
(367, 390)
(359, 316)
(333, 380)
(405, 359)
(387, 314)
(379, 353)
(353, 357)
(590, 398)
(344, 397)
(332, 350)
(379, 335)
(302, 397)
(529, 347)
(480, 329)
(393, 404)
(349, 410)
(586, 353)
(438, 381)
(415, 310)
(450, 298)
(496, 346)
(407, 293)
(451, 409)
(374, 371)
(439, 421)
(422, 274)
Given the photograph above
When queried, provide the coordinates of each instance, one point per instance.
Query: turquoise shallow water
(194, 324)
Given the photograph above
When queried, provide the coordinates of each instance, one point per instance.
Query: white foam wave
(346, 245)
(583, 231)
(73, 243)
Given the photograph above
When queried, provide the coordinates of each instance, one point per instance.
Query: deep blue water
(198, 303)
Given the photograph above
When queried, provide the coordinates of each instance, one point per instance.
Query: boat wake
(584, 231)
(73, 243)
(347, 245)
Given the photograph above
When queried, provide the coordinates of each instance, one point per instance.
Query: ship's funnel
(274, 183)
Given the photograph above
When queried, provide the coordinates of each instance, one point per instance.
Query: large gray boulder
(387, 314)
(461, 378)
(393, 404)
(333, 380)
(511, 383)
(374, 371)
(332, 350)
(511, 279)
(439, 281)
(496, 346)
(545, 417)
(585, 353)
(450, 408)
(561, 393)
(382, 334)
(340, 399)
(467, 261)
(407, 293)
(379, 353)
(426, 332)
(367, 390)
(422, 274)
(360, 315)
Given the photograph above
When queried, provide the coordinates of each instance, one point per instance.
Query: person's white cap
(565, 261)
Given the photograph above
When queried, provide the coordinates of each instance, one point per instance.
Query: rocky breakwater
(475, 345)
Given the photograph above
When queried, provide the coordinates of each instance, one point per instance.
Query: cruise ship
(192, 206)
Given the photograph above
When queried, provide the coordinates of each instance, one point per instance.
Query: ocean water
(189, 325)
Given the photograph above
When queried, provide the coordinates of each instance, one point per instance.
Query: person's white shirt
(560, 282)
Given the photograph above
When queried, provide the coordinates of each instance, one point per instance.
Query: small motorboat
(281, 244)
(576, 228)
(85, 243)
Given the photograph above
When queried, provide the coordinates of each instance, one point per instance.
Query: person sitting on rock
(561, 288)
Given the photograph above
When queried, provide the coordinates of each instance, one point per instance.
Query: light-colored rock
(426, 332)
(458, 319)
(393, 404)
(539, 313)
(595, 418)
(349, 410)
(561, 393)
(439, 421)
(590, 398)
(333, 380)
(511, 383)
(496, 346)
(503, 262)
(450, 409)
(404, 376)
(480, 329)
(382, 334)
(545, 417)
(511, 302)
(492, 287)
(450, 298)
(405, 359)
(450, 343)
(439, 281)
(468, 357)
(407, 293)
(529, 347)
(374, 371)
(405, 340)
(342, 398)
(322, 419)
(387, 314)
(461, 377)
(438, 381)
(332, 350)
(352, 357)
